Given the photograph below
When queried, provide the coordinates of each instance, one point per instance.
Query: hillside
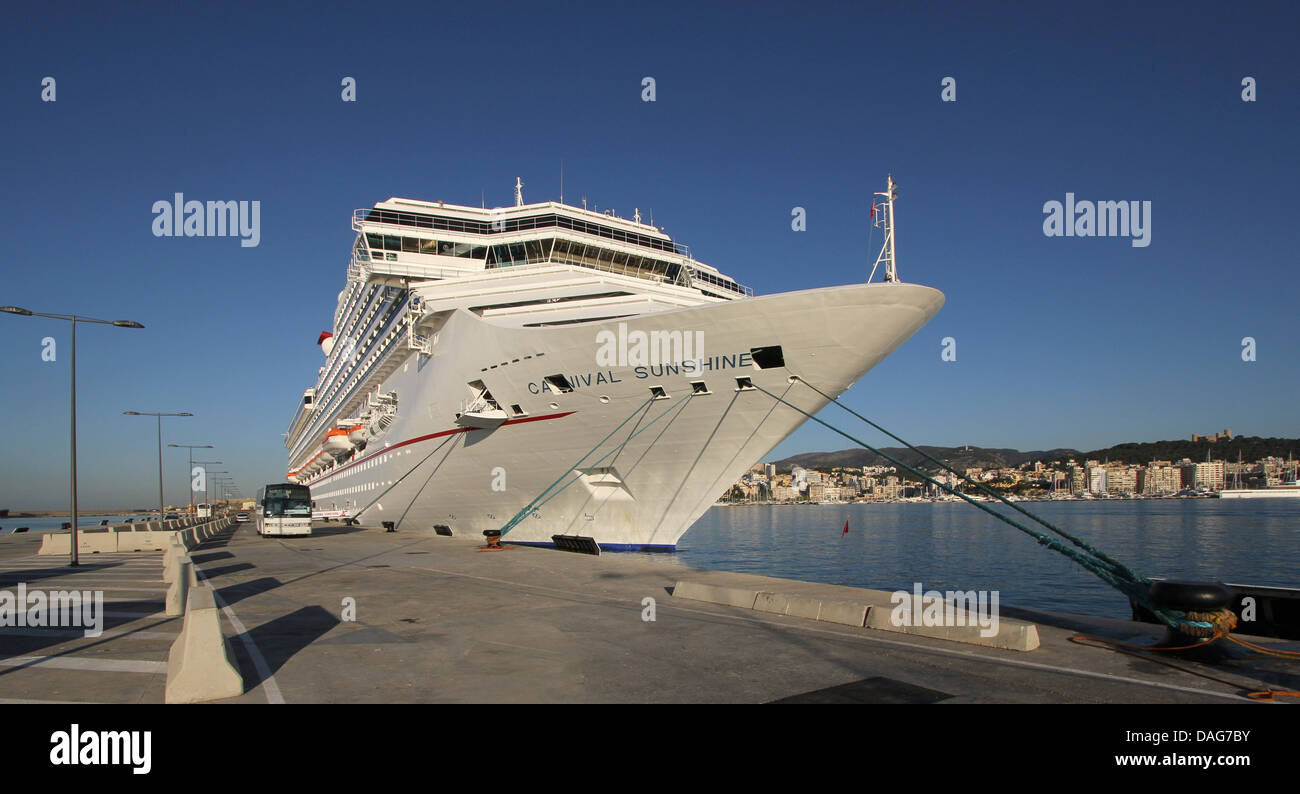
(1251, 448)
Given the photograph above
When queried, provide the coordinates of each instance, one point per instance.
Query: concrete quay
(358, 615)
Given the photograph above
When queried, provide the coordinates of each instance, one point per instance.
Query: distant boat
(1287, 490)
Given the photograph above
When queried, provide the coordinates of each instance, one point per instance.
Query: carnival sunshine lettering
(693, 367)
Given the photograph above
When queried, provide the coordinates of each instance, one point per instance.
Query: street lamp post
(189, 473)
(210, 480)
(161, 503)
(224, 486)
(73, 319)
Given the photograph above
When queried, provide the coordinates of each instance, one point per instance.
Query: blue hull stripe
(603, 546)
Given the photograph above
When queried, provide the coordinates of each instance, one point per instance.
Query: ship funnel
(326, 342)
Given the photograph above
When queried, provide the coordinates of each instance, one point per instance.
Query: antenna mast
(882, 212)
(519, 192)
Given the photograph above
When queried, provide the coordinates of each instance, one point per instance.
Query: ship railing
(433, 272)
(389, 336)
(360, 222)
(395, 268)
(642, 273)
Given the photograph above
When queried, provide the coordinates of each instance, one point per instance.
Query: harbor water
(44, 524)
(954, 546)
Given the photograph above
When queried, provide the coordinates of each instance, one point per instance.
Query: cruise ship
(558, 373)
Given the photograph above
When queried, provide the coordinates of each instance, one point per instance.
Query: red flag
(873, 210)
(846, 529)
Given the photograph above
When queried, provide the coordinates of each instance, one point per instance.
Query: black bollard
(389, 526)
(1200, 600)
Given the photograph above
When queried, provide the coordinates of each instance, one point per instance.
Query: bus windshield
(287, 501)
(287, 507)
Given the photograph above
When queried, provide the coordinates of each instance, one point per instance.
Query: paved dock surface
(438, 620)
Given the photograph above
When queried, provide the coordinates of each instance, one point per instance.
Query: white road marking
(93, 665)
(269, 686)
(74, 633)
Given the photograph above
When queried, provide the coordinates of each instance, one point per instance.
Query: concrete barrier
(873, 611)
(730, 596)
(179, 590)
(846, 614)
(53, 543)
(792, 605)
(200, 666)
(842, 612)
(174, 547)
(143, 541)
(171, 559)
(1015, 635)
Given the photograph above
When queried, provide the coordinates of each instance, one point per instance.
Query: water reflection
(954, 546)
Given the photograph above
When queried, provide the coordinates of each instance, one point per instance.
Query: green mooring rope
(538, 501)
(1114, 573)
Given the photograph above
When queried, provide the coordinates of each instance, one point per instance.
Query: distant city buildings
(1038, 479)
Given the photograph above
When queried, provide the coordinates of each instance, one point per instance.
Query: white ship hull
(1261, 493)
(676, 457)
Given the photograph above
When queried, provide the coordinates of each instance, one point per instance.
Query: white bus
(203, 510)
(283, 509)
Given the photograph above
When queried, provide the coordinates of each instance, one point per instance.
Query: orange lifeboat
(336, 442)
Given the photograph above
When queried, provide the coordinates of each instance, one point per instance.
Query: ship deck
(437, 620)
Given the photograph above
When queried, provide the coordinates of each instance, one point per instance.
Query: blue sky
(1061, 342)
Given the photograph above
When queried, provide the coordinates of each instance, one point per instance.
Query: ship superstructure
(478, 355)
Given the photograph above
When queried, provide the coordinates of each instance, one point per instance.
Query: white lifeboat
(337, 442)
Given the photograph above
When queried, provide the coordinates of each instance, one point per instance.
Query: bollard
(1200, 601)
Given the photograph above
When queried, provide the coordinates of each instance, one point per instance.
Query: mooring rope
(403, 477)
(1088, 547)
(1117, 575)
(1211, 625)
(538, 501)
